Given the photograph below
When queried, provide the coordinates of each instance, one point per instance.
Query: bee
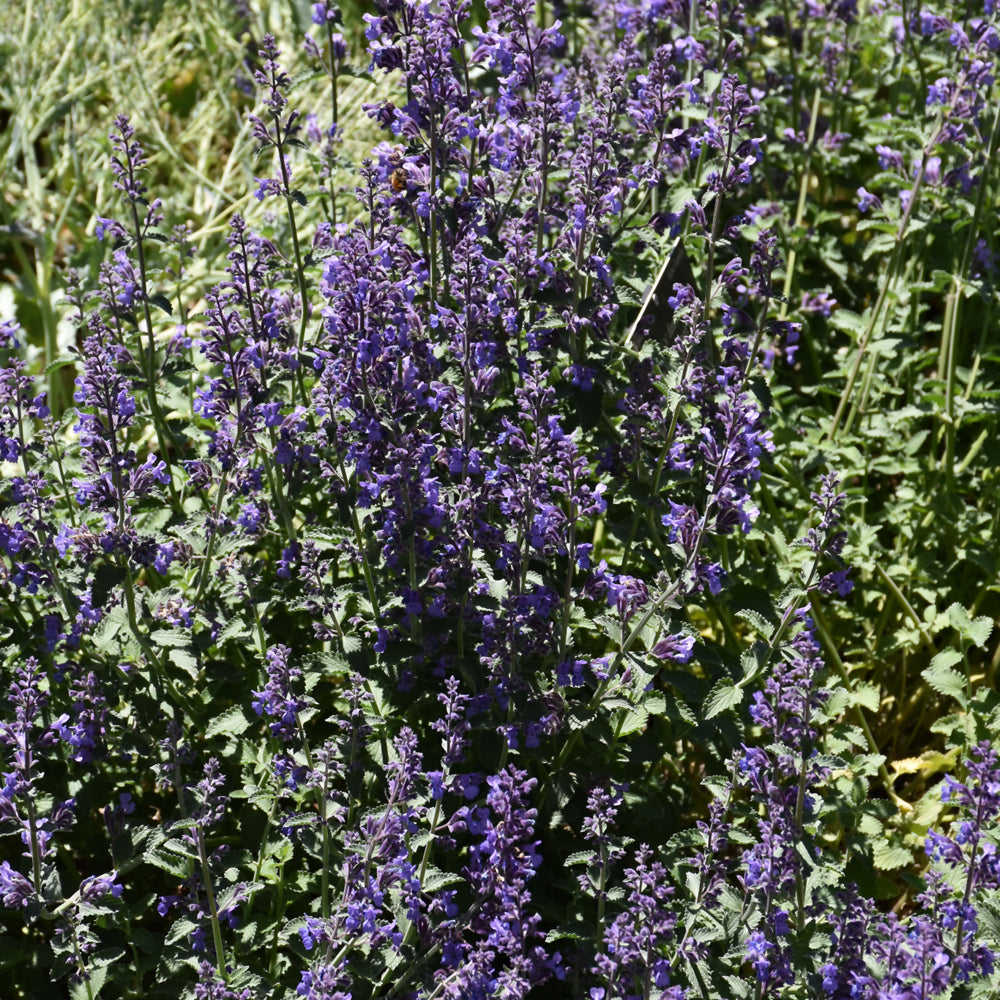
(399, 179)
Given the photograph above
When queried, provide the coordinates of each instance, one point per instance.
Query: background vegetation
(869, 349)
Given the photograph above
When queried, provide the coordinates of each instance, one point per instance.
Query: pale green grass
(68, 68)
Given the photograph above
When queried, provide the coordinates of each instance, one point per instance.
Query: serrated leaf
(881, 243)
(752, 661)
(724, 696)
(579, 858)
(104, 634)
(173, 638)
(739, 989)
(89, 988)
(632, 721)
(866, 764)
(435, 879)
(60, 362)
(167, 861)
(616, 701)
(881, 225)
(232, 722)
(946, 681)
(847, 320)
(655, 704)
(888, 857)
(949, 725)
(235, 628)
(867, 696)
(104, 957)
(185, 660)
(946, 658)
(180, 930)
(977, 631)
(928, 763)
(611, 627)
(756, 621)
(579, 716)
(236, 893)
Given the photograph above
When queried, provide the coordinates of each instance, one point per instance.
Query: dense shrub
(562, 564)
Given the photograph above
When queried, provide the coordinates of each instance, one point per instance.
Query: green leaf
(235, 893)
(847, 320)
(866, 764)
(185, 660)
(104, 635)
(161, 302)
(753, 660)
(435, 879)
(946, 658)
(235, 628)
(87, 989)
(739, 988)
(173, 864)
(60, 362)
(888, 856)
(655, 704)
(879, 244)
(867, 696)
(172, 637)
(977, 631)
(632, 721)
(612, 628)
(756, 621)
(105, 957)
(881, 225)
(724, 696)
(232, 722)
(944, 680)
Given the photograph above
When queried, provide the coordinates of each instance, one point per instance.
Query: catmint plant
(417, 580)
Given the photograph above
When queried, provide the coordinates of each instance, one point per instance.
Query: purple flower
(866, 200)
(632, 953)
(436, 781)
(211, 986)
(325, 13)
(503, 857)
(276, 699)
(165, 555)
(109, 227)
(325, 982)
(128, 161)
(96, 888)
(15, 890)
(677, 648)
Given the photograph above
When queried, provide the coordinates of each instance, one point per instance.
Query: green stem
(162, 679)
(203, 570)
(81, 962)
(159, 422)
(892, 272)
(220, 954)
(905, 604)
(36, 856)
(800, 209)
(830, 649)
(957, 298)
(359, 541)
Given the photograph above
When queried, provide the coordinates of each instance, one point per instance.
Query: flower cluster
(435, 550)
